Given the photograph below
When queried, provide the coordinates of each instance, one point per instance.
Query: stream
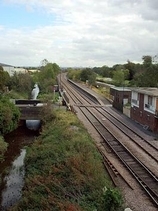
(12, 169)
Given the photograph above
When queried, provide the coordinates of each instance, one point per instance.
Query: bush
(3, 148)
(9, 116)
(112, 200)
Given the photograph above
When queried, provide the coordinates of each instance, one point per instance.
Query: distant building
(144, 107)
(20, 70)
(33, 70)
(8, 68)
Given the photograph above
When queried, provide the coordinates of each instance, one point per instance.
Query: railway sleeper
(106, 160)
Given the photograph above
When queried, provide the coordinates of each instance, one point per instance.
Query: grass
(64, 170)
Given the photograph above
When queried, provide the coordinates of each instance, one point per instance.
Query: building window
(135, 98)
(150, 100)
(149, 103)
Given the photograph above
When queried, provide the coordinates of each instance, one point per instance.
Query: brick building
(144, 107)
(121, 96)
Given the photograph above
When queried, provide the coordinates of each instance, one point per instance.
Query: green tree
(88, 74)
(147, 61)
(92, 79)
(147, 76)
(74, 75)
(22, 83)
(25, 82)
(103, 71)
(44, 62)
(47, 77)
(9, 116)
(132, 69)
(85, 74)
(119, 77)
(4, 79)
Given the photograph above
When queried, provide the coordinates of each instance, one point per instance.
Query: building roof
(152, 91)
(5, 65)
(122, 89)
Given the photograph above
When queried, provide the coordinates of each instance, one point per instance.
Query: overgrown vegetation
(64, 171)
(9, 115)
(4, 79)
(3, 148)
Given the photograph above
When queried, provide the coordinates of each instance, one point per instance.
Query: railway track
(145, 145)
(128, 129)
(91, 110)
(142, 174)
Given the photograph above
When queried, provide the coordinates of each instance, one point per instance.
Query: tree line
(128, 74)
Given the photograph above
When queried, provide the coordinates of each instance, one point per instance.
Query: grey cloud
(150, 15)
(124, 2)
(153, 4)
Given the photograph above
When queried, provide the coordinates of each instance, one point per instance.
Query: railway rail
(145, 145)
(144, 176)
(92, 109)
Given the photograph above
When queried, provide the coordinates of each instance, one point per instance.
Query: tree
(148, 74)
(22, 83)
(85, 74)
(74, 75)
(88, 74)
(47, 77)
(147, 78)
(44, 62)
(132, 69)
(147, 61)
(92, 79)
(103, 71)
(9, 116)
(4, 79)
(119, 77)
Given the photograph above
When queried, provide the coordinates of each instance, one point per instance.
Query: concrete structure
(144, 107)
(30, 109)
(8, 68)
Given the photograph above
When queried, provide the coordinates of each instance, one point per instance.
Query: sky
(77, 33)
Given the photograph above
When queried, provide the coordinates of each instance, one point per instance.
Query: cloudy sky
(82, 33)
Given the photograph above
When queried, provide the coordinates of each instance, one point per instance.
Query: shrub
(3, 148)
(9, 116)
(112, 200)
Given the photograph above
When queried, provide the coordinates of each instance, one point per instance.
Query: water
(12, 170)
(14, 182)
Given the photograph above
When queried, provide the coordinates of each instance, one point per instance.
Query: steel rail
(142, 174)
